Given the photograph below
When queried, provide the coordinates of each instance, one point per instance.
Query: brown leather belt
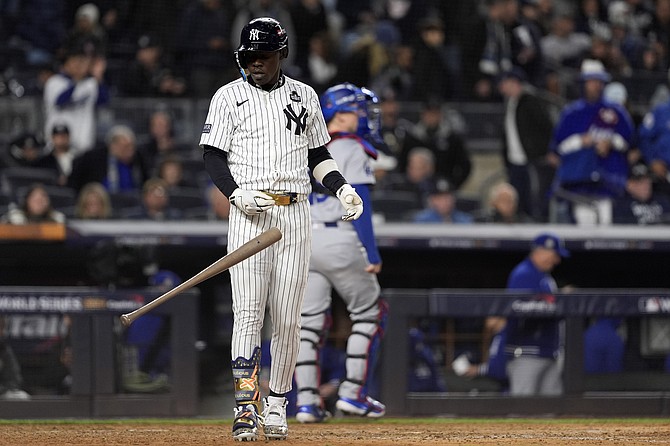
(286, 198)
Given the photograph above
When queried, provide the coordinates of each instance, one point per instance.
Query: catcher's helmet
(262, 34)
(341, 98)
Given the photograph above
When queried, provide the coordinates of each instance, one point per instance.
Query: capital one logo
(253, 34)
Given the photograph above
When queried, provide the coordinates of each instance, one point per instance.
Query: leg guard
(245, 374)
(313, 332)
(367, 331)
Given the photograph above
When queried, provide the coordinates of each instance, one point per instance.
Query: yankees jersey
(353, 162)
(266, 134)
(73, 104)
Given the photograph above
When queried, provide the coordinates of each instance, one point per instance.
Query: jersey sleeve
(218, 127)
(317, 133)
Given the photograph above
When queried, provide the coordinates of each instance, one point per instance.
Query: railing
(622, 394)
(94, 336)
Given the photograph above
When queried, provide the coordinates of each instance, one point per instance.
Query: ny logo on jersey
(253, 34)
(300, 120)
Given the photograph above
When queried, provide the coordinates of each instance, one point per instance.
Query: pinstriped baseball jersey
(266, 134)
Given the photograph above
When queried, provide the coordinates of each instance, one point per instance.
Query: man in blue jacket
(591, 141)
(533, 344)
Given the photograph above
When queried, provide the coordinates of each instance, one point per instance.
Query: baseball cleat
(312, 414)
(368, 407)
(275, 426)
(245, 426)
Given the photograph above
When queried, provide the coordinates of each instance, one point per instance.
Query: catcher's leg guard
(367, 331)
(313, 332)
(245, 374)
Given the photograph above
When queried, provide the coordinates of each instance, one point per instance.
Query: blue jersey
(582, 170)
(532, 336)
(654, 134)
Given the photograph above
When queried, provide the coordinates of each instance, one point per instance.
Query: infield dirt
(390, 432)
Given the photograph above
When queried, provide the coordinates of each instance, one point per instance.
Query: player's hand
(251, 202)
(351, 201)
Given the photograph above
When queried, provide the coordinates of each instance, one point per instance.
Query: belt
(286, 198)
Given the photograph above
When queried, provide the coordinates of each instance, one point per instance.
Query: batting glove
(353, 205)
(251, 202)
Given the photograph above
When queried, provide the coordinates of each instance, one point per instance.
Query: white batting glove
(353, 205)
(251, 202)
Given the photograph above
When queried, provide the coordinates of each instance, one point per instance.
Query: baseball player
(261, 136)
(533, 345)
(344, 257)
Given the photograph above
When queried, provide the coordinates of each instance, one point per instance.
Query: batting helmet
(262, 34)
(341, 98)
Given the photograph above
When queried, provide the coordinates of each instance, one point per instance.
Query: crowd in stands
(77, 55)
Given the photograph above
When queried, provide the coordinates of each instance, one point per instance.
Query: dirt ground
(391, 432)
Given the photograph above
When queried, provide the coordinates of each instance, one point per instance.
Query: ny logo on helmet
(300, 120)
(253, 34)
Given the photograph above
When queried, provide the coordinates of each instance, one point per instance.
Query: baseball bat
(245, 251)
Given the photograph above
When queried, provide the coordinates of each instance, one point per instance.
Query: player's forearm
(324, 168)
(216, 165)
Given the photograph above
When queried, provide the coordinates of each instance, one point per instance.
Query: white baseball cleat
(275, 425)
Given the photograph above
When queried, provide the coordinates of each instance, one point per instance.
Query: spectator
(87, 28)
(430, 69)
(59, 154)
(641, 205)
(417, 177)
(527, 132)
(533, 344)
(504, 206)
(511, 41)
(591, 140)
(203, 46)
(309, 18)
(162, 139)
(321, 61)
(603, 347)
(440, 133)
(396, 79)
(563, 47)
(654, 138)
(155, 203)
(591, 17)
(116, 165)
(24, 151)
(148, 75)
(71, 96)
(658, 34)
(40, 30)
(93, 203)
(35, 208)
(441, 206)
(171, 170)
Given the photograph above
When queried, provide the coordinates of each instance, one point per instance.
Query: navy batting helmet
(262, 34)
(341, 98)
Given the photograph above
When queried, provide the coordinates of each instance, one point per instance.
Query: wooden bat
(245, 251)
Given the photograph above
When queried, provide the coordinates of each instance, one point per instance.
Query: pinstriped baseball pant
(276, 277)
